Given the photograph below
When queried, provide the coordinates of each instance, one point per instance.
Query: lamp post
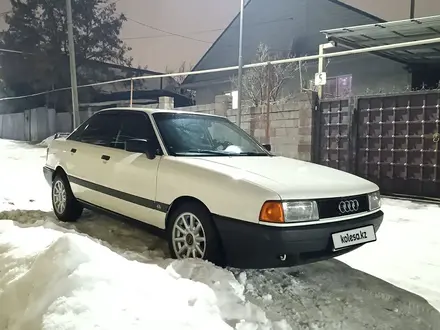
(412, 9)
(75, 110)
(240, 65)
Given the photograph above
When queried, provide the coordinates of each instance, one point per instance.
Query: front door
(133, 174)
(89, 162)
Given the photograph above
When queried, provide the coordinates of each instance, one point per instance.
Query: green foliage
(39, 28)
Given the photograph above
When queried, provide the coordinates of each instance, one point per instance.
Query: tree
(259, 81)
(182, 68)
(180, 79)
(39, 29)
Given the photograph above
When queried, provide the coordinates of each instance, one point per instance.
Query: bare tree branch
(182, 68)
(255, 80)
(180, 79)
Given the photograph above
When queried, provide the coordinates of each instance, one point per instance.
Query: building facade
(294, 27)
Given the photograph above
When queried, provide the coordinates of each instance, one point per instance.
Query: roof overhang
(379, 34)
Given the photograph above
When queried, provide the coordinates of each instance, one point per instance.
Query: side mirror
(142, 146)
(268, 147)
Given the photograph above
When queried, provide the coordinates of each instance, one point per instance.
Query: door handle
(105, 157)
(73, 150)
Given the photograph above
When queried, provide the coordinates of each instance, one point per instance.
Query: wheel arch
(181, 201)
(59, 170)
(188, 199)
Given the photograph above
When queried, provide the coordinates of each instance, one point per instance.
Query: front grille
(330, 207)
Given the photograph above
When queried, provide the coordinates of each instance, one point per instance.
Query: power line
(170, 35)
(168, 32)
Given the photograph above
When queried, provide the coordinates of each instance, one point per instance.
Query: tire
(65, 205)
(180, 235)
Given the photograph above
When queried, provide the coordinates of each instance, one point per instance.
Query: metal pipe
(75, 103)
(345, 52)
(412, 9)
(131, 93)
(269, 87)
(320, 68)
(240, 65)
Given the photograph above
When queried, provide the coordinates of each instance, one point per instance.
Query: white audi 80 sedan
(213, 190)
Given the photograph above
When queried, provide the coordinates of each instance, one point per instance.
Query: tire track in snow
(332, 295)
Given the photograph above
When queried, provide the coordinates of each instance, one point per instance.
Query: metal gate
(398, 143)
(335, 134)
(392, 140)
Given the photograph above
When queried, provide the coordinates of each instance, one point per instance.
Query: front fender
(226, 191)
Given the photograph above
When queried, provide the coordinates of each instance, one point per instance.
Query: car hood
(289, 178)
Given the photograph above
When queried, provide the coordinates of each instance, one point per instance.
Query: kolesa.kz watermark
(353, 237)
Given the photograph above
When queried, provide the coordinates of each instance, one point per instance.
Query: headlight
(288, 212)
(374, 201)
(300, 211)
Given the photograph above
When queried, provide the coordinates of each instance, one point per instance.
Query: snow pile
(230, 294)
(47, 141)
(53, 280)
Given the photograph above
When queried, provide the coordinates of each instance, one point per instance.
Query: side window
(101, 129)
(134, 126)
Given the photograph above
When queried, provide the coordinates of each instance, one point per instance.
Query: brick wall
(290, 123)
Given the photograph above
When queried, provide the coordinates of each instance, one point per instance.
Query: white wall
(36, 124)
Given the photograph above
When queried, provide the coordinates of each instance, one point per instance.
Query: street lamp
(240, 64)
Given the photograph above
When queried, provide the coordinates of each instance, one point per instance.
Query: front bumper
(248, 245)
(48, 174)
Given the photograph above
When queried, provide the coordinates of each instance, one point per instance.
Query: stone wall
(290, 123)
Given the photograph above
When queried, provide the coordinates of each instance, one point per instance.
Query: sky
(204, 20)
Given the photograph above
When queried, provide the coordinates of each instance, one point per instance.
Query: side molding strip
(148, 203)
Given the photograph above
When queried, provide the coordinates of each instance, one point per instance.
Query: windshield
(192, 134)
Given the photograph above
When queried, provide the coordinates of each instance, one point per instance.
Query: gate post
(316, 128)
(353, 134)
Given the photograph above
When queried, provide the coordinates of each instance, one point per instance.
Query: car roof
(152, 111)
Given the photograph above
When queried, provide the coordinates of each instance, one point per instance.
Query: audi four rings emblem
(348, 206)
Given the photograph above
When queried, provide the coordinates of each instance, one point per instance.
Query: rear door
(90, 157)
(133, 174)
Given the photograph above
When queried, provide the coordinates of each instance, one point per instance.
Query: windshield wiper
(222, 153)
(203, 151)
(253, 153)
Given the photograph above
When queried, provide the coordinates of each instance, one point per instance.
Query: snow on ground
(69, 280)
(324, 295)
(22, 184)
(407, 252)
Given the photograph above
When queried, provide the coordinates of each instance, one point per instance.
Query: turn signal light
(272, 212)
